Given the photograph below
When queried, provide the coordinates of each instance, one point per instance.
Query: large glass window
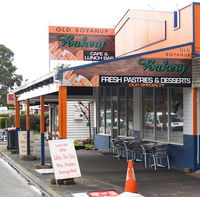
(108, 110)
(148, 114)
(115, 111)
(130, 112)
(101, 110)
(176, 107)
(163, 114)
(122, 111)
(161, 107)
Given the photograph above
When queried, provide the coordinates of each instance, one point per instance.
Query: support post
(62, 114)
(42, 153)
(28, 125)
(17, 121)
(195, 111)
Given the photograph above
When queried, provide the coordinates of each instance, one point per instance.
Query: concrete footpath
(101, 172)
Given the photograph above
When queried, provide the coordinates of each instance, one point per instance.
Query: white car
(176, 122)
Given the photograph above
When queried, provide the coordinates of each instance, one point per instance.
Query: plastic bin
(11, 138)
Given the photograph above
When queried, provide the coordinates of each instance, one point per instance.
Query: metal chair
(146, 147)
(160, 156)
(118, 148)
(133, 149)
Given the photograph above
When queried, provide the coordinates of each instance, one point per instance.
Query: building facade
(151, 90)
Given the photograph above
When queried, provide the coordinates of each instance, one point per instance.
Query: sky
(24, 24)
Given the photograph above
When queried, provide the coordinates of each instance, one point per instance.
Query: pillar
(17, 121)
(62, 112)
(42, 124)
(194, 111)
(28, 125)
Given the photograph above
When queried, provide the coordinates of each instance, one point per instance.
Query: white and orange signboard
(64, 159)
(80, 43)
(184, 52)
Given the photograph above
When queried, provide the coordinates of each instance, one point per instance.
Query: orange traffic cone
(130, 185)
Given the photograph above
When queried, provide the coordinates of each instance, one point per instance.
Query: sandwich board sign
(22, 139)
(64, 159)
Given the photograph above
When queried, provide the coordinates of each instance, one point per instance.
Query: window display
(163, 114)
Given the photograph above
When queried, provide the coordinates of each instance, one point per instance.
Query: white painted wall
(187, 111)
(77, 128)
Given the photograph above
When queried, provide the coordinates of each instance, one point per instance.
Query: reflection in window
(101, 110)
(114, 111)
(108, 110)
(148, 113)
(122, 112)
(163, 114)
(176, 107)
(130, 112)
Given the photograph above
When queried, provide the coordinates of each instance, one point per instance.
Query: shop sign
(10, 99)
(80, 43)
(22, 138)
(184, 52)
(11, 107)
(145, 81)
(64, 159)
(165, 66)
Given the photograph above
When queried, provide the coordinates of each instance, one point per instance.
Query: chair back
(161, 150)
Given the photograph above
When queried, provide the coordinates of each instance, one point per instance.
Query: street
(13, 184)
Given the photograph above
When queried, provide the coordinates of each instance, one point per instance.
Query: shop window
(176, 107)
(115, 109)
(148, 125)
(101, 110)
(161, 118)
(176, 20)
(130, 112)
(163, 114)
(108, 110)
(122, 111)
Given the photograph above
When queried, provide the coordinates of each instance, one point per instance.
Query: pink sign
(106, 193)
(64, 159)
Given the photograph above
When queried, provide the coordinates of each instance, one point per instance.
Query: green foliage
(4, 122)
(8, 77)
(34, 121)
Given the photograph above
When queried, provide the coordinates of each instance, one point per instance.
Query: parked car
(176, 122)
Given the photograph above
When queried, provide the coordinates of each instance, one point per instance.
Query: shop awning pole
(42, 153)
(17, 120)
(28, 125)
(62, 112)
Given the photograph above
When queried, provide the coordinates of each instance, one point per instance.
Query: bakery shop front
(149, 91)
(139, 96)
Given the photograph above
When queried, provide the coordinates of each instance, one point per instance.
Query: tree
(8, 77)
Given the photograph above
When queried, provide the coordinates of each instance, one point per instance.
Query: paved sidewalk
(101, 172)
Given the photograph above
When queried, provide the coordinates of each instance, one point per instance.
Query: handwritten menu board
(64, 159)
(22, 138)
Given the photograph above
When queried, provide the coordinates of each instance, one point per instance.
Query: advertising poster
(133, 72)
(10, 99)
(80, 44)
(64, 159)
(22, 138)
